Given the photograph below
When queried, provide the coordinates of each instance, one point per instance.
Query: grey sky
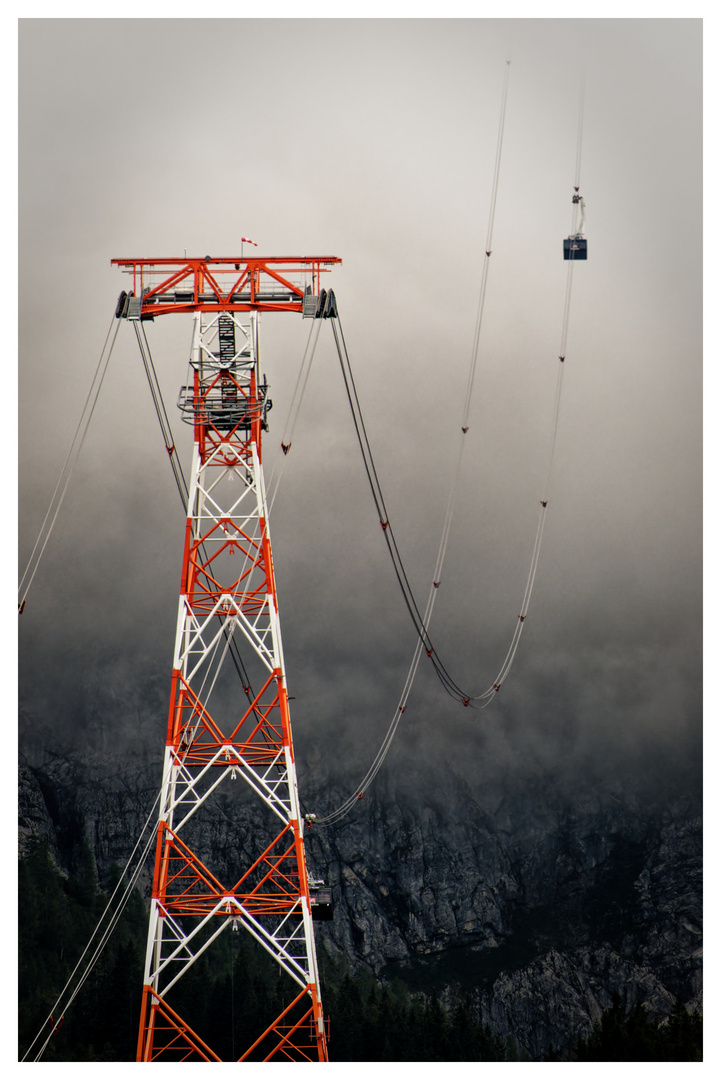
(374, 140)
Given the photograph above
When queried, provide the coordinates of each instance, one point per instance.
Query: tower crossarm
(217, 284)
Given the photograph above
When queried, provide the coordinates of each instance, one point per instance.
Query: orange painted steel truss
(289, 1038)
(197, 740)
(227, 590)
(184, 886)
(230, 283)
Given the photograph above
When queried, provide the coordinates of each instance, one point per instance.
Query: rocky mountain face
(541, 897)
(544, 905)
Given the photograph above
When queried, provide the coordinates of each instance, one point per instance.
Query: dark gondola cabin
(321, 901)
(574, 247)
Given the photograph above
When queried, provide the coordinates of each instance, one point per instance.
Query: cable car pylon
(228, 591)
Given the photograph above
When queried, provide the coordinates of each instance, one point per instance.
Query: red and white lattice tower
(216, 739)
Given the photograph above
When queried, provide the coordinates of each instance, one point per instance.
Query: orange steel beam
(183, 1042)
(228, 283)
(292, 1052)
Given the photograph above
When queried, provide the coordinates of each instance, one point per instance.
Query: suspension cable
(482, 700)
(127, 892)
(300, 386)
(486, 261)
(68, 468)
(295, 405)
(579, 133)
(111, 926)
(160, 410)
(450, 685)
(380, 757)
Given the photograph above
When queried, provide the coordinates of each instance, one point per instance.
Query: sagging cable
(160, 410)
(487, 259)
(103, 941)
(295, 405)
(68, 468)
(382, 512)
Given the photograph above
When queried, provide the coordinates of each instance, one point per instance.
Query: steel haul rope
(160, 410)
(67, 470)
(484, 699)
(295, 405)
(486, 261)
(103, 941)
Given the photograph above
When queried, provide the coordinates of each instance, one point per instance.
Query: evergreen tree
(619, 1037)
(683, 1035)
(231, 1001)
(56, 919)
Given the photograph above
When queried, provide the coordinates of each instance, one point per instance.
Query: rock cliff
(543, 898)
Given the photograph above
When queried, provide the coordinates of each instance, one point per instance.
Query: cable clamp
(497, 686)
(436, 584)
(384, 525)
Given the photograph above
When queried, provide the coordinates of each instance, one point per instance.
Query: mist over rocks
(541, 897)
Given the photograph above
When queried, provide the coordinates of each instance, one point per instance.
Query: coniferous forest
(368, 1021)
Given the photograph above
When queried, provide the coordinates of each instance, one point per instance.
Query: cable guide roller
(323, 306)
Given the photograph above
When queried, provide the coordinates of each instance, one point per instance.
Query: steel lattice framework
(228, 593)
